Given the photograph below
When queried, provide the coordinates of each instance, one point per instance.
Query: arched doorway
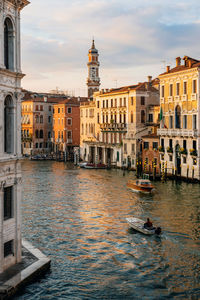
(8, 125)
(178, 159)
(8, 44)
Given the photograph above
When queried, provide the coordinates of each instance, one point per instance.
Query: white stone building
(10, 132)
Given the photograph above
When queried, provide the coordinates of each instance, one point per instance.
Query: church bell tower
(93, 80)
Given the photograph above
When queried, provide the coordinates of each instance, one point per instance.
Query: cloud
(133, 38)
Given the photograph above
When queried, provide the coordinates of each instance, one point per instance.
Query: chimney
(168, 69)
(149, 79)
(189, 63)
(178, 61)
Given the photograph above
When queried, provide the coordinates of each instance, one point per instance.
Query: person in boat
(148, 224)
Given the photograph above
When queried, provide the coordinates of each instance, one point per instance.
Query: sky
(135, 38)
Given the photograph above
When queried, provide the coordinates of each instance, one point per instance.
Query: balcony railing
(113, 126)
(177, 132)
(69, 141)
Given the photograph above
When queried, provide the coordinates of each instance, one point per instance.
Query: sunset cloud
(134, 39)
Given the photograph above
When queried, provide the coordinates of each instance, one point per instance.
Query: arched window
(177, 117)
(37, 134)
(8, 125)
(41, 119)
(41, 134)
(142, 116)
(8, 44)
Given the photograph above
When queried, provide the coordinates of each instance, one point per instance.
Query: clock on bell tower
(93, 80)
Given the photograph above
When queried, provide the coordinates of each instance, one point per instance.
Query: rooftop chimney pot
(178, 61)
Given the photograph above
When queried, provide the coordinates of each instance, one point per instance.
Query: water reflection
(77, 217)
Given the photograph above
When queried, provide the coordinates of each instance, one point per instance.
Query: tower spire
(93, 80)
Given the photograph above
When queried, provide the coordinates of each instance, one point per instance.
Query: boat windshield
(145, 183)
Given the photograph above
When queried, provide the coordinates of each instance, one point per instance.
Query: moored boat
(94, 166)
(138, 225)
(140, 185)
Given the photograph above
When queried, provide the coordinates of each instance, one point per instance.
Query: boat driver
(148, 224)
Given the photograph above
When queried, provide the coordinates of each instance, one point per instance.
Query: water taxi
(138, 225)
(140, 185)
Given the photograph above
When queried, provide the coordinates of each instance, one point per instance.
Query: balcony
(184, 97)
(177, 132)
(194, 97)
(170, 99)
(177, 98)
(113, 126)
(69, 141)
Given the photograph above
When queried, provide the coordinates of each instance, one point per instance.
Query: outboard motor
(158, 230)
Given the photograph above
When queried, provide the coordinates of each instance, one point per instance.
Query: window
(194, 145)
(69, 121)
(155, 145)
(62, 110)
(171, 89)
(194, 86)
(124, 101)
(40, 145)
(170, 157)
(41, 134)
(103, 103)
(178, 117)
(184, 159)
(117, 155)
(8, 125)
(69, 134)
(131, 117)
(131, 100)
(37, 108)
(146, 145)
(150, 118)
(170, 143)
(41, 107)
(98, 118)
(115, 102)
(36, 145)
(133, 148)
(107, 103)
(170, 121)
(49, 108)
(125, 148)
(142, 116)
(194, 121)
(142, 100)
(8, 202)
(97, 104)
(185, 87)
(8, 248)
(37, 134)
(162, 143)
(178, 89)
(120, 102)
(58, 110)
(49, 119)
(185, 144)
(41, 119)
(162, 91)
(111, 102)
(185, 122)
(8, 44)
(69, 110)
(49, 134)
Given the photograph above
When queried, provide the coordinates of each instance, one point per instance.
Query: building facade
(93, 80)
(10, 133)
(121, 119)
(180, 118)
(66, 127)
(37, 122)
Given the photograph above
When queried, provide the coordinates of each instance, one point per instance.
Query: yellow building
(179, 128)
(120, 118)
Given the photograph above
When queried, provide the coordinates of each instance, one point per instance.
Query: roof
(151, 136)
(141, 86)
(189, 63)
(20, 3)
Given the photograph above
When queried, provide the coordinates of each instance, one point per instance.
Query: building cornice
(182, 72)
(20, 4)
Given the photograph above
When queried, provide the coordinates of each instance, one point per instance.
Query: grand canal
(77, 218)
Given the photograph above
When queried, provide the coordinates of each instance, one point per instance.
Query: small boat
(93, 166)
(138, 225)
(140, 185)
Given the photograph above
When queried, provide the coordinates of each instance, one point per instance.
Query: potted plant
(161, 149)
(183, 151)
(193, 152)
(169, 150)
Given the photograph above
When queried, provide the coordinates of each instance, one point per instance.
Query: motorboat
(93, 166)
(138, 225)
(140, 185)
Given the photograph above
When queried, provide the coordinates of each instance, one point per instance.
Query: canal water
(77, 217)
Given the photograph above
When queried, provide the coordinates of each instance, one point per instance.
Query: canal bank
(34, 264)
(77, 218)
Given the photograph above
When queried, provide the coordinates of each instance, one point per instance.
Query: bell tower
(93, 80)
